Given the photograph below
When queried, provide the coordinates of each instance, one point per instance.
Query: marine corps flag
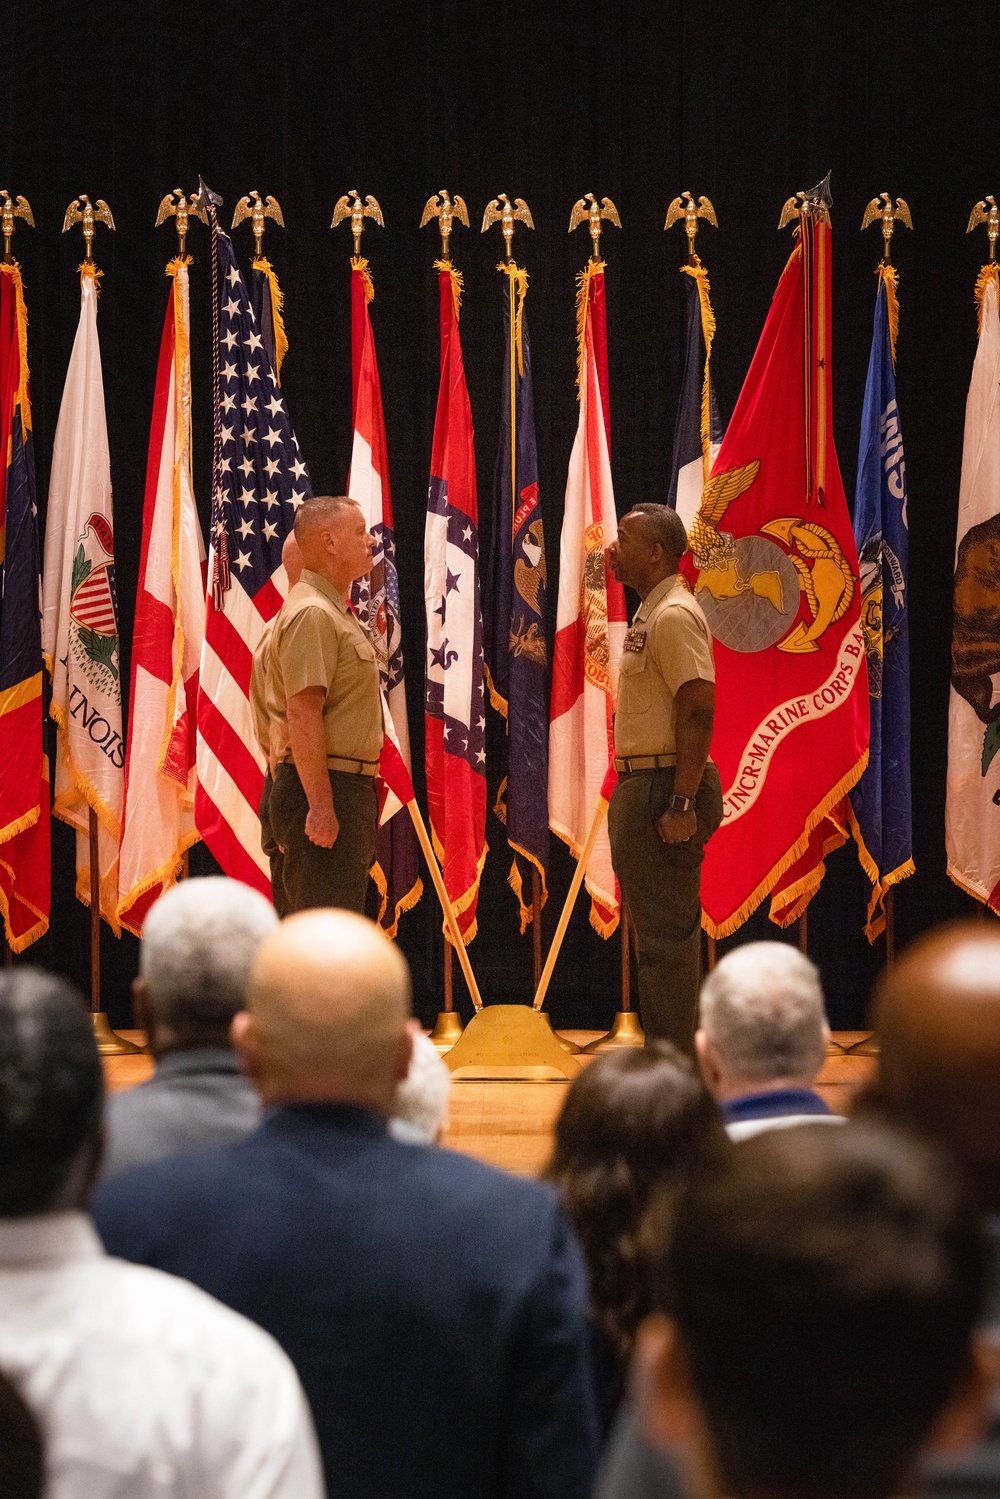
(24, 768)
(972, 811)
(517, 654)
(376, 602)
(698, 428)
(775, 570)
(454, 702)
(168, 636)
(80, 614)
(590, 617)
(880, 802)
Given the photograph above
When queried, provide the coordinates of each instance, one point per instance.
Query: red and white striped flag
(590, 619)
(396, 870)
(258, 482)
(166, 645)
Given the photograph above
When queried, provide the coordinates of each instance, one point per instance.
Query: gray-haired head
(761, 1009)
(199, 943)
(420, 1110)
(663, 525)
(51, 1094)
(319, 511)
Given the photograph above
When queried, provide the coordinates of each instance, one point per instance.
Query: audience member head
(199, 943)
(291, 559)
(327, 1012)
(937, 1015)
(420, 1108)
(762, 1025)
(633, 1124)
(333, 539)
(22, 1457)
(822, 1288)
(51, 1095)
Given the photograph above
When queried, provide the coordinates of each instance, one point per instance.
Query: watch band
(678, 803)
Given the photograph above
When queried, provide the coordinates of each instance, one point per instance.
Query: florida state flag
(590, 618)
(775, 570)
(454, 701)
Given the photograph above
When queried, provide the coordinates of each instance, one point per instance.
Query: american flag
(258, 482)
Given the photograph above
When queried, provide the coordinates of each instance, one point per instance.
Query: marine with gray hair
(199, 943)
(762, 1038)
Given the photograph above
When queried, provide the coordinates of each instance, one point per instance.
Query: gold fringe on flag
(590, 270)
(359, 263)
(89, 268)
(989, 273)
(889, 278)
(262, 264)
(457, 287)
(700, 277)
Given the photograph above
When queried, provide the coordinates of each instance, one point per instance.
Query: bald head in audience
(327, 1012)
(937, 1014)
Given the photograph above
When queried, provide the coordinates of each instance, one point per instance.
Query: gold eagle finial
(257, 209)
(11, 209)
(358, 212)
(986, 212)
(181, 210)
(588, 208)
(691, 212)
(814, 201)
(499, 210)
(881, 208)
(445, 212)
(82, 211)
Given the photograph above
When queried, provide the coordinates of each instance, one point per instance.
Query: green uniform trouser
(661, 887)
(336, 876)
(275, 857)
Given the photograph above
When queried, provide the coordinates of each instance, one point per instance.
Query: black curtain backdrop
(637, 100)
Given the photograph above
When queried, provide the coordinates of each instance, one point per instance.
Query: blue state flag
(881, 809)
(698, 429)
(517, 649)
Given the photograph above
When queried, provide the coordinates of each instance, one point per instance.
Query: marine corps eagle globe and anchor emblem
(750, 587)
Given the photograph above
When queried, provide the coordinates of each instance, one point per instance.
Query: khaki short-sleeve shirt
(258, 689)
(317, 642)
(669, 644)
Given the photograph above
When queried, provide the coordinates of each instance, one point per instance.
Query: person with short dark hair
(140, 1383)
(199, 942)
(634, 1123)
(819, 1290)
(668, 799)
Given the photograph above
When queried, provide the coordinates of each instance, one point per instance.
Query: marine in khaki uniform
(668, 800)
(291, 559)
(325, 710)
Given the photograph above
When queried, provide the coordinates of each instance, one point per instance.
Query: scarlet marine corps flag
(775, 570)
(454, 702)
(169, 630)
(590, 618)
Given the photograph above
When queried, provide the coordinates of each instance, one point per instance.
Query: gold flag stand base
(566, 1045)
(626, 1031)
(109, 1043)
(512, 1043)
(447, 1030)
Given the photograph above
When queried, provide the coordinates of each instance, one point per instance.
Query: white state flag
(80, 614)
(972, 814)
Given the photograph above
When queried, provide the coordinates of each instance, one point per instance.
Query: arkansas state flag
(775, 570)
(972, 836)
(376, 602)
(25, 861)
(169, 632)
(454, 703)
(590, 618)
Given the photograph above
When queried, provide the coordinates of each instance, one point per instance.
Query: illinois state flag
(24, 768)
(590, 618)
(775, 570)
(168, 635)
(972, 809)
(881, 814)
(517, 651)
(454, 702)
(376, 603)
(80, 614)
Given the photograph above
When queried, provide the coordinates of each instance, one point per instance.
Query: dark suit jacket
(435, 1308)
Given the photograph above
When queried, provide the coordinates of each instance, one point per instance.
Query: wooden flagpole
(600, 812)
(451, 920)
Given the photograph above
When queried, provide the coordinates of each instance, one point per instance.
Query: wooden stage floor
(510, 1124)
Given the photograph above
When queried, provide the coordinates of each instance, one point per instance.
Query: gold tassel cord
(990, 274)
(13, 270)
(889, 278)
(590, 270)
(457, 284)
(262, 264)
(700, 277)
(359, 263)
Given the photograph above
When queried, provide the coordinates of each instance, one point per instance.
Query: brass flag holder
(109, 1043)
(175, 205)
(357, 212)
(685, 207)
(257, 209)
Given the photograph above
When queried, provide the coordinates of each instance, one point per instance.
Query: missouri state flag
(774, 566)
(972, 807)
(517, 651)
(590, 617)
(881, 818)
(454, 701)
(167, 638)
(698, 428)
(376, 602)
(24, 770)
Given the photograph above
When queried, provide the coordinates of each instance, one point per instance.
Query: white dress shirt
(145, 1388)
